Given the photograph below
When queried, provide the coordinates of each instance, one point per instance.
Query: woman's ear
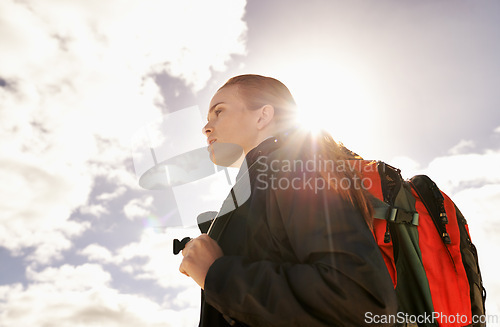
(266, 116)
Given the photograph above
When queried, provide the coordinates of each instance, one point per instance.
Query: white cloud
(81, 296)
(460, 171)
(497, 130)
(138, 208)
(481, 202)
(35, 206)
(112, 195)
(151, 258)
(184, 299)
(462, 147)
(96, 252)
(479, 206)
(181, 38)
(69, 277)
(54, 242)
(96, 210)
(158, 263)
(78, 81)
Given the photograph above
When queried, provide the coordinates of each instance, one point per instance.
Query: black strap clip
(179, 245)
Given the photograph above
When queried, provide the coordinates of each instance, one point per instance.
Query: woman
(299, 251)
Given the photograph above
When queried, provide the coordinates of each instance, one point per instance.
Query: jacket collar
(268, 146)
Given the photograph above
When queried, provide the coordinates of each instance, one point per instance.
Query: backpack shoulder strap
(433, 200)
(398, 204)
(412, 288)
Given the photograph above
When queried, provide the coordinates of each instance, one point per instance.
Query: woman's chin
(226, 154)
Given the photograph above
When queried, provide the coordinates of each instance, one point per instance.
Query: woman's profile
(299, 251)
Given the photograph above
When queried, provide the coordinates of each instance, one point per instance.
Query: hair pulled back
(257, 91)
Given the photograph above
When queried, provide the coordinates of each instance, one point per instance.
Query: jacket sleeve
(338, 277)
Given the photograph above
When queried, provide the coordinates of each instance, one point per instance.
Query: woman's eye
(217, 112)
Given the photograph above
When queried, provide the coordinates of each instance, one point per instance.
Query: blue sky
(413, 83)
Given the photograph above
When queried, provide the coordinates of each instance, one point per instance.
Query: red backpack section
(443, 264)
(447, 279)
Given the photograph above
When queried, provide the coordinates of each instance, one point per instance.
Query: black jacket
(294, 254)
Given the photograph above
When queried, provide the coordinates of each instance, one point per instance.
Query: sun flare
(336, 100)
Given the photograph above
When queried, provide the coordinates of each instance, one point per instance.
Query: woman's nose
(206, 130)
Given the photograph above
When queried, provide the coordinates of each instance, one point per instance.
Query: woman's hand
(199, 254)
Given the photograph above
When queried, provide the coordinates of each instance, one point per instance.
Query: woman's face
(229, 120)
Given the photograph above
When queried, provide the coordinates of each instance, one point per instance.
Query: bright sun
(336, 100)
